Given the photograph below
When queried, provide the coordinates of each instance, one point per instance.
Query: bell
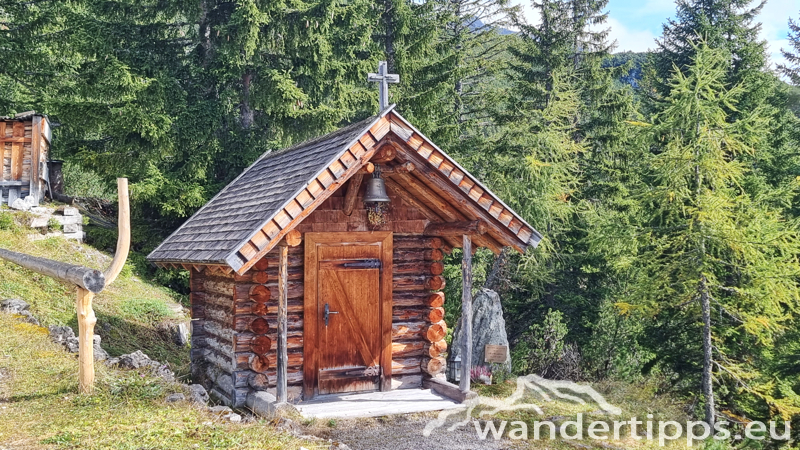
(376, 191)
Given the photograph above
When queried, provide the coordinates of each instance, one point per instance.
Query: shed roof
(272, 196)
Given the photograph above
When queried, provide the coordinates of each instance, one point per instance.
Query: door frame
(310, 319)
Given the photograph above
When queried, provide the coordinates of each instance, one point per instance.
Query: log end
(94, 281)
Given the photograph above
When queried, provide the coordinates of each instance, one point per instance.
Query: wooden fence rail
(88, 281)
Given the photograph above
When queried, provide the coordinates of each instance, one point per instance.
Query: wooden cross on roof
(384, 79)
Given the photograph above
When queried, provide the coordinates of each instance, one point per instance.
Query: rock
(172, 398)
(79, 236)
(65, 336)
(180, 334)
(41, 210)
(232, 417)
(488, 327)
(40, 222)
(338, 446)
(99, 353)
(198, 393)
(20, 205)
(70, 211)
(138, 360)
(14, 306)
(261, 403)
(29, 317)
(72, 228)
(221, 409)
(31, 201)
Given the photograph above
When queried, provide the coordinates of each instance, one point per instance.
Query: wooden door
(348, 313)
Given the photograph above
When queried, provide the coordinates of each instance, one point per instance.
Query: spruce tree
(792, 68)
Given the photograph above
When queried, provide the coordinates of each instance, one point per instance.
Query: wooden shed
(356, 306)
(25, 143)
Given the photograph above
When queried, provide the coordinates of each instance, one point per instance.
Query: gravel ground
(404, 432)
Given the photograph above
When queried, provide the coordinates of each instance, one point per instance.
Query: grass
(641, 400)
(132, 313)
(41, 408)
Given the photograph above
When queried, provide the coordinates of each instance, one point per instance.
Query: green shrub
(6, 220)
(53, 225)
(80, 182)
(541, 346)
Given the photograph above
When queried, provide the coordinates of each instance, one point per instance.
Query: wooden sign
(496, 353)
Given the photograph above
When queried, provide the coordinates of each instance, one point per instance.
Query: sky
(635, 24)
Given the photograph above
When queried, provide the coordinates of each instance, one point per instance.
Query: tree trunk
(389, 34)
(246, 112)
(708, 388)
(495, 277)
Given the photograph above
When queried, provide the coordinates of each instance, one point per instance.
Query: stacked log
(213, 344)
(418, 327)
(255, 322)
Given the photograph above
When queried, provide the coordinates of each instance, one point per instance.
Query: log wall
(23, 146)
(234, 344)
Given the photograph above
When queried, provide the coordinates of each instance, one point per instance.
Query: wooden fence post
(86, 322)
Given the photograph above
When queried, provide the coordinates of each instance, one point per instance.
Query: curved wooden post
(124, 236)
(83, 306)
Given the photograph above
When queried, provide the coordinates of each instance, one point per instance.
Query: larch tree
(713, 257)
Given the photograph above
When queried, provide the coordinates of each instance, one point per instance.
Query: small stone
(72, 228)
(31, 200)
(41, 210)
(138, 360)
(80, 236)
(20, 205)
(65, 336)
(338, 446)
(40, 222)
(233, 417)
(99, 353)
(30, 318)
(70, 211)
(221, 409)
(172, 398)
(198, 393)
(180, 334)
(14, 306)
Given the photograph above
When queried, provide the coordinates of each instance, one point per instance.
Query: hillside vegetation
(132, 314)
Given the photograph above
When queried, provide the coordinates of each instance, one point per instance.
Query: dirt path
(404, 432)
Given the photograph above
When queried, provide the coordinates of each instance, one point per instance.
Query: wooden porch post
(466, 314)
(281, 387)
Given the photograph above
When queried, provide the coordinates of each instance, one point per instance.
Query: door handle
(328, 312)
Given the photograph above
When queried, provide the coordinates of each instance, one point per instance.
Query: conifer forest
(666, 184)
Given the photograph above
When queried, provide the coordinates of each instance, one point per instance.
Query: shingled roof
(250, 215)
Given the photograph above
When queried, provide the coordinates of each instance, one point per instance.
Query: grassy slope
(130, 313)
(40, 406)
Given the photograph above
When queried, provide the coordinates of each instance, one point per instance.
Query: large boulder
(488, 328)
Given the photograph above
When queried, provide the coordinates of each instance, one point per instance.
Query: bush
(6, 220)
(80, 182)
(541, 346)
(53, 225)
